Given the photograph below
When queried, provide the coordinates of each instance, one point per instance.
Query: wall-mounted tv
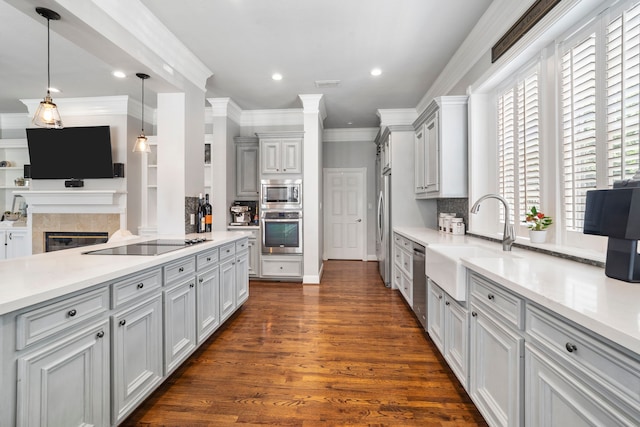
(70, 153)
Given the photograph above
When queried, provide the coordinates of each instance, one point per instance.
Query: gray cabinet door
(227, 288)
(242, 278)
(208, 303)
(179, 323)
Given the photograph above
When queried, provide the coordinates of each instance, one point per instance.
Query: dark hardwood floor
(346, 352)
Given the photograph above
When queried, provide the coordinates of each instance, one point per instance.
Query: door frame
(325, 198)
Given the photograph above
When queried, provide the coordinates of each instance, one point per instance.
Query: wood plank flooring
(347, 352)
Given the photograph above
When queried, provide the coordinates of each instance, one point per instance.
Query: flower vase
(537, 236)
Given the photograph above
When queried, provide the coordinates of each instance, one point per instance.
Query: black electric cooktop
(150, 248)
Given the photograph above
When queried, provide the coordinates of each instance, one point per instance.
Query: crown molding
(314, 103)
(397, 116)
(286, 117)
(14, 121)
(224, 107)
(350, 135)
(89, 106)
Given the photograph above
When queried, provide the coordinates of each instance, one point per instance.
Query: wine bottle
(208, 214)
(200, 223)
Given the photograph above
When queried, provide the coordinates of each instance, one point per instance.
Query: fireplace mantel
(73, 201)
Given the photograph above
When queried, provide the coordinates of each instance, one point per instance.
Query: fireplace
(59, 240)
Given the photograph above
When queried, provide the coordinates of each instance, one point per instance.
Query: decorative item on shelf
(19, 182)
(141, 145)
(5, 164)
(537, 223)
(12, 216)
(47, 114)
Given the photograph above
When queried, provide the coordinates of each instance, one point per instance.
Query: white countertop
(579, 292)
(33, 279)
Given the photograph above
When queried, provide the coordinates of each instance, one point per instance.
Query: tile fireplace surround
(41, 222)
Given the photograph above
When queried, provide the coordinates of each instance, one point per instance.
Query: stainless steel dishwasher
(419, 284)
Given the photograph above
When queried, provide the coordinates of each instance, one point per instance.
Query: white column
(313, 110)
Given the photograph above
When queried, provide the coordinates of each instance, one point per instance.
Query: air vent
(327, 83)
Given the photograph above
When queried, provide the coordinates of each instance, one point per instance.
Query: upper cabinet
(441, 149)
(247, 179)
(280, 153)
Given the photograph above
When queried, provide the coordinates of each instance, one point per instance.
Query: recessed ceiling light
(376, 72)
(349, 123)
(119, 74)
(276, 76)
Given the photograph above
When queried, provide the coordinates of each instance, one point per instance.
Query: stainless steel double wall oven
(281, 217)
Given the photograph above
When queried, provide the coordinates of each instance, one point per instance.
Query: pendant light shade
(47, 114)
(141, 145)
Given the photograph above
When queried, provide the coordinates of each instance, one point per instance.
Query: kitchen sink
(444, 265)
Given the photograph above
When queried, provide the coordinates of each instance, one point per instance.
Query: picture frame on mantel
(531, 17)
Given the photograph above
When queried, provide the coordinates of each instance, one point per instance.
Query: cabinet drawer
(134, 286)
(498, 300)
(227, 251)
(179, 269)
(281, 267)
(207, 259)
(35, 325)
(592, 360)
(242, 245)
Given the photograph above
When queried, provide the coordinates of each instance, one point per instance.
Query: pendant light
(141, 145)
(47, 115)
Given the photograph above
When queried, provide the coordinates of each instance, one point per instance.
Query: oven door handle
(281, 220)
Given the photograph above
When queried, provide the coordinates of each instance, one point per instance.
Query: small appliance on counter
(243, 213)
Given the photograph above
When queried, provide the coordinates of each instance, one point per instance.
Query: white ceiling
(243, 42)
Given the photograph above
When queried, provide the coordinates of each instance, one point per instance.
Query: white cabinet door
(556, 397)
(254, 258)
(435, 314)
(137, 354)
(270, 157)
(208, 303)
(242, 278)
(17, 244)
(432, 152)
(247, 171)
(291, 157)
(419, 160)
(67, 382)
(496, 370)
(227, 288)
(179, 324)
(456, 338)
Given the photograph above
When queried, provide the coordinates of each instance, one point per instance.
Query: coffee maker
(242, 212)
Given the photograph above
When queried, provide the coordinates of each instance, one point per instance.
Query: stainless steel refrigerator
(383, 241)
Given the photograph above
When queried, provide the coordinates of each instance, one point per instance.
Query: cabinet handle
(123, 322)
(208, 258)
(571, 347)
(191, 285)
(181, 269)
(10, 236)
(140, 285)
(100, 334)
(201, 280)
(491, 297)
(71, 313)
(447, 303)
(233, 263)
(474, 314)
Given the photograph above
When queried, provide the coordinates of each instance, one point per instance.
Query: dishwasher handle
(419, 252)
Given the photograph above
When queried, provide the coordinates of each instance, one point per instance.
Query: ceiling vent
(327, 83)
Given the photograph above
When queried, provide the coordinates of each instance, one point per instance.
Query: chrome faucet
(508, 235)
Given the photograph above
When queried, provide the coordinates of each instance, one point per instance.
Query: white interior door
(345, 220)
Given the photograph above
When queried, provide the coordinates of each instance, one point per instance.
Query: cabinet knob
(571, 347)
(208, 258)
(491, 297)
(191, 285)
(181, 269)
(474, 314)
(201, 280)
(140, 285)
(447, 303)
(71, 313)
(123, 322)
(439, 296)
(100, 334)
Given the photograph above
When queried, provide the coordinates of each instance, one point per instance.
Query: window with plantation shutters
(600, 90)
(519, 145)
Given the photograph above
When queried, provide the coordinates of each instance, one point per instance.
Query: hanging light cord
(48, 57)
(142, 105)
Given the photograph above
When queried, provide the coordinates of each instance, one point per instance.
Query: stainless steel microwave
(281, 194)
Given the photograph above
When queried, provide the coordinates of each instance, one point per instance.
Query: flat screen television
(70, 153)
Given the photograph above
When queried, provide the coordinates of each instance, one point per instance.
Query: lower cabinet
(227, 288)
(285, 266)
(137, 354)
(179, 324)
(254, 257)
(435, 314)
(67, 382)
(242, 277)
(208, 303)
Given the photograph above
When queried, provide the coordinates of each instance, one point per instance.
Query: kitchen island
(534, 339)
(85, 338)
